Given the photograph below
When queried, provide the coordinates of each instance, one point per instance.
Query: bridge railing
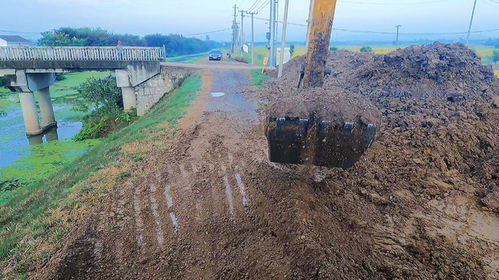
(81, 53)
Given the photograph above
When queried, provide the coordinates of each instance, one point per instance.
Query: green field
(191, 58)
(35, 218)
(261, 52)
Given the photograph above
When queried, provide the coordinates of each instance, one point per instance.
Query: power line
(262, 6)
(390, 32)
(256, 5)
(471, 23)
(397, 3)
(208, 32)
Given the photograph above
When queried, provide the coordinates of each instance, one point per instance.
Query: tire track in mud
(183, 203)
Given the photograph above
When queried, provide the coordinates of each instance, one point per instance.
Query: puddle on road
(217, 94)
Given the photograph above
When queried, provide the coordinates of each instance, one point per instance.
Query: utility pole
(242, 32)
(272, 39)
(276, 20)
(235, 31)
(397, 40)
(252, 36)
(283, 40)
(471, 24)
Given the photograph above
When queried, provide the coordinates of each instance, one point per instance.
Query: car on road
(215, 55)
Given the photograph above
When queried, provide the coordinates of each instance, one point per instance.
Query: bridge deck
(81, 53)
(77, 58)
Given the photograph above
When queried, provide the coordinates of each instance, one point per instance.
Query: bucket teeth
(318, 142)
(370, 134)
(347, 128)
(287, 138)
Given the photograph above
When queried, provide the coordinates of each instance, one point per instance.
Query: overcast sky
(197, 16)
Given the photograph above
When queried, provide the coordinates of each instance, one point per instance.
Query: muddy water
(13, 141)
(226, 96)
(41, 154)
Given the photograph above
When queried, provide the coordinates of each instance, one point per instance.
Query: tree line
(175, 44)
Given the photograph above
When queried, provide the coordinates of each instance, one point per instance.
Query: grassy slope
(34, 219)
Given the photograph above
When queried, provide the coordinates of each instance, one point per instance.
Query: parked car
(216, 55)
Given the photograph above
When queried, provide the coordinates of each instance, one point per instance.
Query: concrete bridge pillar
(30, 114)
(26, 84)
(129, 98)
(46, 108)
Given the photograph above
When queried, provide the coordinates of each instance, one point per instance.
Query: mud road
(193, 206)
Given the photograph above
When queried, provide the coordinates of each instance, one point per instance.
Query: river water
(35, 157)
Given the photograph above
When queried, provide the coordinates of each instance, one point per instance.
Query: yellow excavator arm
(319, 36)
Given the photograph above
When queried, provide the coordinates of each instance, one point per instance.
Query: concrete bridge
(33, 69)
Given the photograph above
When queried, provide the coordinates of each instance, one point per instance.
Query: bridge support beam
(30, 114)
(46, 109)
(129, 98)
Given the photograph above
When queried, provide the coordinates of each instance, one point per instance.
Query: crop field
(261, 52)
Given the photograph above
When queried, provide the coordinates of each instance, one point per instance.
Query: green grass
(68, 86)
(257, 78)
(190, 58)
(25, 213)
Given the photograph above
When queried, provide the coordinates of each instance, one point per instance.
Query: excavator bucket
(318, 142)
(321, 132)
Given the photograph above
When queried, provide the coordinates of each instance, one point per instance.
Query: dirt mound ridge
(432, 165)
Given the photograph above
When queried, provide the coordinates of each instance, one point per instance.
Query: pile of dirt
(431, 170)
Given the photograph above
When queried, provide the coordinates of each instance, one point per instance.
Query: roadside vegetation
(257, 78)
(190, 58)
(175, 44)
(34, 219)
(103, 98)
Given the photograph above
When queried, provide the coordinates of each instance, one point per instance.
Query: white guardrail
(81, 53)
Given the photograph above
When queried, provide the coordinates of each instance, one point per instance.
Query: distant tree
(175, 44)
(178, 45)
(292, 50)
(59, 39)
(333, 49)
(67, 36)
(493, 42)
(495, 56)
(366, 49)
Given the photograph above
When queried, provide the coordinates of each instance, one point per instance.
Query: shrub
(291, 50)
(60, 76)
(366, 49)
(99, 93)
(333, 49)
(3, 82)
(104, 97)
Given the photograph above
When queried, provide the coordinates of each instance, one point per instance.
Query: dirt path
(213, 65)
(187, 210)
